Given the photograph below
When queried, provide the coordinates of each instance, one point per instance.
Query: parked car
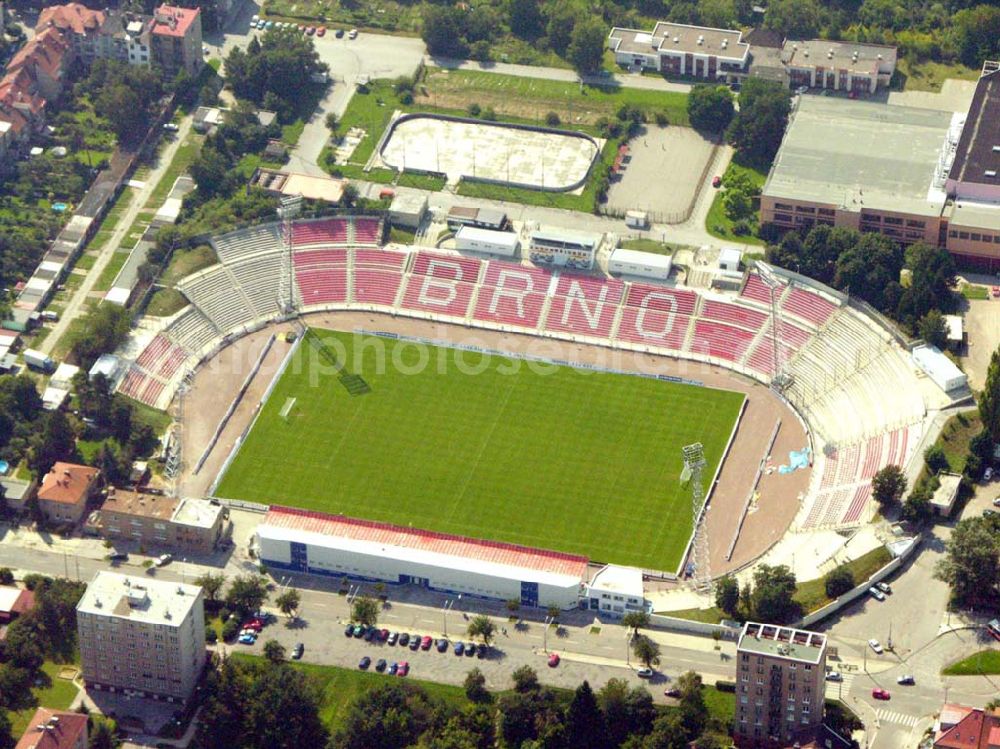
(404, 639)
(672, 692)
(339, 33)
(414, 642)
(380, 665)
(644, 673)
(716, 181)
(834, 676)
(404, 668)
(880, 694)
(481, 652)
(171, 127)
(906, 680)
(252, 626)
(393, 638)
(459, 648)
(248, 639)
(393, 668)
(442, 645)
(371, 634)
(553, 660)
(996, 502)
(470, 649)
(884, 587)
(383, 635)
(118, 556)
(801, 90)
(875, 593)
(359, 630)
(310, 30)
(321, 31)
(349, 630)
(298, 651)
(876, 646)
(364, 663)
(352, 34)
(988, 474)
(425, 644)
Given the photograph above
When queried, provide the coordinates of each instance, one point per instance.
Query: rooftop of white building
(139, 599)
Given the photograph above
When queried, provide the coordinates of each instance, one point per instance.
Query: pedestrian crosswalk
(834, 689)
(890, 716)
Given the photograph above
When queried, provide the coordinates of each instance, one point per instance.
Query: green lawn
(550, 457)
(165, 302)
(185, 262)
(972, 291)
(430, 182)
(111, 270)
(54, 693)
(717, 223)
(955, 438)
(712, 615)
(811, 594)
(650, 245)
(929, 75)
(983, 662)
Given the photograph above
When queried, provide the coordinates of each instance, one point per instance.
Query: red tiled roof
(994, 735)
(977, 730)
(73, 16)
(430, 541)
(46, 51)
(67, 483)
(172, 21)
(62, 730)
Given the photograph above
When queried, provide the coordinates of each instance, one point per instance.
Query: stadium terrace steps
(323, 231)
(192, 330)
(237, 244)
(258, 277)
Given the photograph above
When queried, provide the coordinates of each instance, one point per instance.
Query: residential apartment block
(680, 49)
(780, 679)
(190, 526)
(176, 36)
(910, 174)
(141, 637)
(65, 491)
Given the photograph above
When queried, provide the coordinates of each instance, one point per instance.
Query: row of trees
(769, 597)
(125, 95)
(243, 696)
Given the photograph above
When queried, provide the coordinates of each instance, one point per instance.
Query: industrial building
(408, 210)
(681, 49)
(472, 239)
(642, 264)
(617, 591)
(564, 248)
(910, 174)
(780, 681)
(141, 637)
(838, 66)
(482, 218)
(190, 526)
(302, 541)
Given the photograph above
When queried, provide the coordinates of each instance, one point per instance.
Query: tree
(627, 711)
(710, 108)
(364, 611)
(7, 740)
(525, 18)
(274, 651)
(442, 31)
(525, 679)
(56, 441)
(331, 121)
(586, 46)
(584, 723)
(475, 687)
(288, 603)
(559, 27)
(972, 563)
(771, 599)
(483, 627)
(727, 596)
(935, 458)
(103, 734)
(933, 329)
(976, 33)
(932, 276)
(212, 584)
(211, 172)
(6, 576)
(694, 712)
(101, 331)
(917, 507)
(246, 594)
(646, 650)
(757, 129)
(737, 204)
(230, 629)
(512, 604)
(797, 19)
(289, 693)
(888, 485)
(989, 399)
(635, 620)
(838, 581)
(870, 269)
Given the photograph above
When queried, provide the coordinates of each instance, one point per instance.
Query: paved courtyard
(661, 174)
(482, 149)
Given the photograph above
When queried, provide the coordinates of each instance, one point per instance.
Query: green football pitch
(483, 446)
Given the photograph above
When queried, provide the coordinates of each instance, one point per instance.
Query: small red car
(996, 291)
(321, 31)
(716, 181)
(553, 660)
(255, 624)
(880, 694)
(425, 644)
(383, 635)
(404, 668)
(310, 30)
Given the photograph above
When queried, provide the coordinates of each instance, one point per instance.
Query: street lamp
(545, 633)
(447, 605)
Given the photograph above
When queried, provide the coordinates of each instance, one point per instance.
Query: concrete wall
(690, 627)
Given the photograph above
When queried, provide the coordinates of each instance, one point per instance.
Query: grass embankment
(460, 478)
(717, 223)
(983, 662)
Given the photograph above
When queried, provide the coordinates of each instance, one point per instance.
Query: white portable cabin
(472, 239)
(637, 263)
(939, 368)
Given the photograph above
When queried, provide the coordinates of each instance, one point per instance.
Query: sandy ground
(218, 380)
(982, 325)
(491, 151)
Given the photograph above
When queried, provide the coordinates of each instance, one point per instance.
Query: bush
(211, 636)
(935, 458)
(742, 228)
(661, 119)
(406, 98)
(552, 119)
(6, 576)
(224, 614)
(725, 686)
(489, 114)
(474, 109)
(230, 629)
(837, 582)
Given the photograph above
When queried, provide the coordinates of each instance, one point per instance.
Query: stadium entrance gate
(529, 594)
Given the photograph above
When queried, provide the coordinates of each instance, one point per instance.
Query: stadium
(535, 410)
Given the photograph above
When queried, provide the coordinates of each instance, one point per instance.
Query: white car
(353, 34)
(988, 475)
(835, 676)
(253, 19)
(884, 587)
(164, 559)
(876, 646)
(801, 90)
(877, 594)
(644, 673)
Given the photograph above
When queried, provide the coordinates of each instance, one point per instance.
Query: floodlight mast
(694, 462)
(781, 379)
(288, 209)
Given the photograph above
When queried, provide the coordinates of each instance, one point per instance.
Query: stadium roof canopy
(855, 154)
(425, 547)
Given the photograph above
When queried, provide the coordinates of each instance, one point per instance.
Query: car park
(404, 668)
(404, 639)
(880, 694)
(459, 648)
(876, 646)
(364, 663)
(442, 645)
(906, 680)
(553, 660)
(392, 639)
(834, 676)
(380, 665)
(875, 593)
(425, 644)
(884, 587)
(644, 673)
(470, 649)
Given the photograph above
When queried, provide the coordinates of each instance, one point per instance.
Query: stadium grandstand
(850, 380)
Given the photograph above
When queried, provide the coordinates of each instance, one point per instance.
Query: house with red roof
(177, 42)
(962, 727)
(65, 492)
(54, 729)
